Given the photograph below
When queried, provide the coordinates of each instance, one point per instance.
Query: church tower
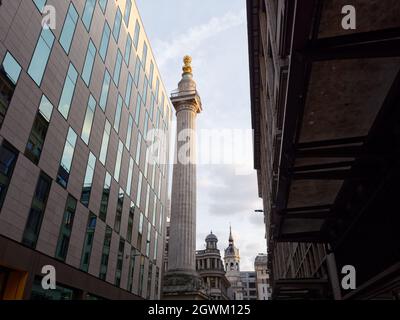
(232, 266)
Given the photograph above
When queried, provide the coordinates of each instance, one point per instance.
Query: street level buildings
(264, 289)
(77, 191)
(248, 279)
(324, 104)
(210, 267)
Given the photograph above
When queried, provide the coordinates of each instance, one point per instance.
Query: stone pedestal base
(183, 286)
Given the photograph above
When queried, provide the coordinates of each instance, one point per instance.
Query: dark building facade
(77, 191)
(324, 103)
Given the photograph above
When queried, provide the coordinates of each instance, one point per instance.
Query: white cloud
(195, 36)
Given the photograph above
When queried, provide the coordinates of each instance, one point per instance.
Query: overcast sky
(214, 33)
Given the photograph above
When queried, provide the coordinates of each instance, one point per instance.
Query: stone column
(182, 242)
(181, 280)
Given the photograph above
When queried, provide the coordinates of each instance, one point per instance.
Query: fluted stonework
(182, 246)
(181, 280)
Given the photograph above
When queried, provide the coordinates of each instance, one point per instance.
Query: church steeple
(230, 235)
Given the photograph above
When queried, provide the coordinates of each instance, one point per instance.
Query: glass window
(118, 112)
(10, 71)
(141, 276)
(138, 149)
(88, 13)
(128, 49)
(88, 243)
(105, 197)
(35, 217)
(68, 91)
(88, 122)
(128, 91)
(139, 189)
(157, 92)
(60, 293)
(155, 247)
(88, 182)
(149, 280)
(103, 5)
(132, 262)
(104, 143)
(130, 222)
(105, 40)
(105, 253)
(152, 105)
(66, 160)
(144, 55)
(36, 139)
(129, 133)
(127, 13)
(136, 76)
(148, 239)
(129, 179)
(117, 68)
(11, 68)
(69, 27)
(117, 25)
(146, 209)
(41, 56)
(40, 4)
(140, 229)
(118, 161)
(138, 108)
(104, 90)
(66, 229)
(8, 158)
(120, 261)
(118, 214)
(151, 74)
(136, 35)
(145, 90)
(161, 217)
(89, 62)
(154, 210)
(146, 125)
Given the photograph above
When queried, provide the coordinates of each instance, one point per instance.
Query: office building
(77, 188)
(248, 279)
(264, 289)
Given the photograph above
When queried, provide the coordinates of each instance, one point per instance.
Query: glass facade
(8, 158)
(68, 31)
(88, 182)
(89, 61)
(61, 83)
(88, 13)
(88, 243)
(105, 40)
(41, 56)
(68, 91)
(36, 213)
(38, 134)
(66, 159)
(88, 122)
(66, 229)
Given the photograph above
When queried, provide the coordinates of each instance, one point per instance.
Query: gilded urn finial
(187, 68)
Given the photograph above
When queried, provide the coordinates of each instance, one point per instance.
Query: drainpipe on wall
(333, 273)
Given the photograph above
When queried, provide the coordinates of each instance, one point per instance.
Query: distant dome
(211, 237)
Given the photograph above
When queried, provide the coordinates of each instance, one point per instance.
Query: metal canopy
(325, 150)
